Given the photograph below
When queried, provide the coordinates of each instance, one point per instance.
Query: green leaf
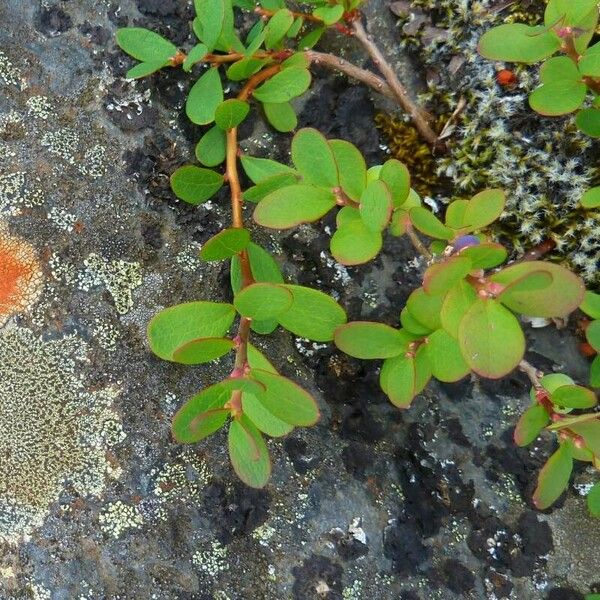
(591, 304)
(396, 176)
(262, 301)
(589, 63)
(311, 38)
(411, 325)
(313, 314)
(530, 424)
(267, 186)
(286, 400)
(211, 15)
(455, 305)
(491, 339)
(283, 86)
(259, 169)
(398, 380)
(281, 116)
(573, 396)
(175, 326)
(143, 69)
(455, 214)
(145, 45)
(202, 350)
(552, 382)
(212, 147)
(591, 198)
(195, 185)
(568, 13)
(588, 121)
(442, 276)
(595, 372)
(329, 14)
(444, 356)
(376, 206)
(248, 453)
(294, 30)
(292, 205)
(590, 432)
(426, 222)
(354, 244)
(201, 415)
(367, 340)
(245, 68)
(314, 159)
(425, 308)
(262, 418)
(277, 27)
(486, 255)
(592, 333)
(195, 55)
(593, 504)
(560, 298)
(562, 91)
(516, 42)
(204, 97)
(263, 266)
(484, 208)
(257, 360)
(351, 167)
(422, 369)
(231, 113)
(225, 244)
(554, 476)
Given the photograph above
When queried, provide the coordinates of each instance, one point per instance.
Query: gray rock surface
(96, 500)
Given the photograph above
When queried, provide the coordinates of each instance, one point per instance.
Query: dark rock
(402, 544)
(53, 21)
(457, 577)
(317, 577)
(564, 594)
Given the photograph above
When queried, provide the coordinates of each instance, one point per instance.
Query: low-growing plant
(567, 80)
(461, 321)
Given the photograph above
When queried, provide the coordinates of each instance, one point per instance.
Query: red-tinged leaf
(354, 243)
(491, 339)
(367, 340)
(262, 418)
(248, 453)
(554, 477)
(203, 350)
(532, 421)
(590, 432)
(397, 380)
(592, 334)
(485, 256)
(573, 396)
(445, 358)
(455, 305)
(442, 276)
(425, 308)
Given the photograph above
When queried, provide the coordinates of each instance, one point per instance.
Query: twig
(420, 118)
(531, 372)
(418, 245)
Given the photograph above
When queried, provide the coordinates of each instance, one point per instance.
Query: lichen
(118, 517)
(52, 428)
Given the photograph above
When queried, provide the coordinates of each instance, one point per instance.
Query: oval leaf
(573, 396)
(262, 418)
(145, 45)
(445, 358)
(367, 340)
(262, 301)
(376, 206)
(554, 477)
(202, 350)
(426, 222)
(530, 424)
(314, 159)
(354, 244)
(225, 244)
(351, 167)
(248, 453)
(204, 97)
(195, 185)
(231, 113)
(283, 86)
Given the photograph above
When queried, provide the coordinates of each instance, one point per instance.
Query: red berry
(506, 77)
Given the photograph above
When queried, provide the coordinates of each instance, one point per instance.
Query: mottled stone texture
(96, 500)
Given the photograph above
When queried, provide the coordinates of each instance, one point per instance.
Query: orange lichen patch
(20, 275)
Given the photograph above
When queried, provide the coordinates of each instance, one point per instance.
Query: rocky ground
(96, 500)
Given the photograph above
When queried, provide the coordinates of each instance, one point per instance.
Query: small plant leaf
(211, 16)
(398, 380)
(225, 244)
(202, 350)
(329, 14)
(491, 339)
(311, 38)
(593, 504)
(551, 382)
(445, 358)
(195, 55)
(397, 178)
(442, 276)
(212, 147)
(484, 208)
(248, 453)
(516, 42)
(530, 424)
(554, 476)
(313, 158)
(313, 314)
(267, 186)
(455, 214)
(277, 27)
(425, 308)
(281, 116)
(412, 326)
(262, 301)
(376, 206)
(195, 185)
(590, 432)
(558, 97)
(283, 86)
(485, 256)
(595, 372)
(245, 68)
(257, 360)
(573, 396)
(145, 45)
(354, 244)
(426, 222)
(292, 205)
(259, 169)
(175, 326)
(231, 113)
(591, 304)
(286, 400)
(368, 340)
(143, 69)
(351, 167)
(262, 418)
(558, 299)
(263, 266)
(204, 97)
(588, 121)
(568, 13)
(591, 198)
(201, 415)
(455, 305)
(592, 333)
